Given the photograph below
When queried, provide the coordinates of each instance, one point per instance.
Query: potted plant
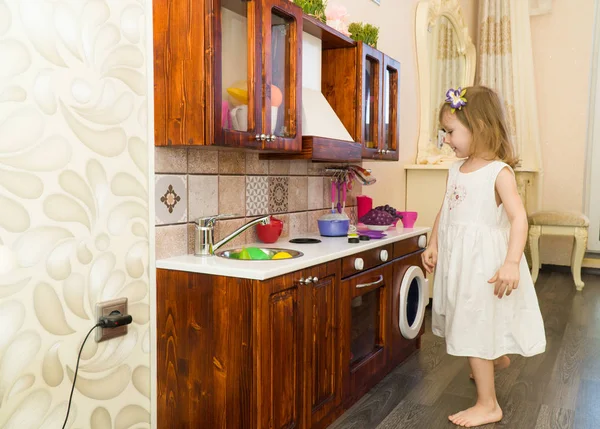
(314, 8)
(364, 32)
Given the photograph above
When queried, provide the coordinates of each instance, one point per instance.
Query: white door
(593, 176)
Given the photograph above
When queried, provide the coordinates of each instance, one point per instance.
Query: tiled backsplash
(194, 182)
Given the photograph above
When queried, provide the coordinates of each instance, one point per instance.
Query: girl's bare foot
(502, 362)
(477, 415)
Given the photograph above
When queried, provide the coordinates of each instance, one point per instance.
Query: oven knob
(422, 242)
(359, 264)
(383, 255)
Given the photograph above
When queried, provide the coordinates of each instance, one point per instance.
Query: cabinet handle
(383, 255)
(379, 280)
(308, 280)
(263, 137)
(258, 137)
(422, 242)
(315, 279)
(359, 264)
(273, 137)
(387, 151)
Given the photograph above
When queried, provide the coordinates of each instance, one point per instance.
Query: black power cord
(114, 320)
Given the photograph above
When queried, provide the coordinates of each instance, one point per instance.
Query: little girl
(484, 301)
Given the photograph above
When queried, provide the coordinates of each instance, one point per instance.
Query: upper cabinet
(225, 73)
(379, 103)
(258, 74)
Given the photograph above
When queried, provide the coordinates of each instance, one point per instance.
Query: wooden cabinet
(279, 347)
(236, 354)
(365, 312)
(293, 351)
(298, 348)
(379, 106)
(226, 73)
(322, 345)
(390, 121)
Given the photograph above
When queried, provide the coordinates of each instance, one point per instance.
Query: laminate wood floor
(559, 389)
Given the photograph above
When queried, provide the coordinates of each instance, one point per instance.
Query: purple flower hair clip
(456, 98)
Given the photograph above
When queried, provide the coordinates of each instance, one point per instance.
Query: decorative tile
(191, 238)
(250, 233)
(171, 240)
(232, 195)
(203, 196)
(170, 199)
(256, 166)
(257, 195)
(298, 193)
(315, 168)
(351, 194)
(279, 168)
(232, 162)
(203, 161)
(285, 218)
(318, 168)
(312, 218)
(226, 227)
(298, 168)
(351, 213)
(278, 194)
(315, 193)
(170, 159)
(327, 192)
(298, 224)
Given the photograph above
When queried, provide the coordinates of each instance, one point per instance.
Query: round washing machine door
(414, 295)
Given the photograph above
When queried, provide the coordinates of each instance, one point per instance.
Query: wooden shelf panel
(322, 149)
(331, 38)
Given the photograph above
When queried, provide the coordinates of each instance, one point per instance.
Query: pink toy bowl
(408, 219)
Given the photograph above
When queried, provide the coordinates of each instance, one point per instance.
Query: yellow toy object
(281, 255)
(239, 94)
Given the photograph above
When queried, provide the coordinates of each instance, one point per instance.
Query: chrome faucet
(205, 232)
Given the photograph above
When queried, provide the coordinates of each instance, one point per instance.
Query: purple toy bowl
(408, 219)
(334, 228)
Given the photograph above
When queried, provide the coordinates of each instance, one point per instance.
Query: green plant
(364, 32)
(314, 8)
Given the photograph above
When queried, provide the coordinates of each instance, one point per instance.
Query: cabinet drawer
(410, 245)
(365, 260)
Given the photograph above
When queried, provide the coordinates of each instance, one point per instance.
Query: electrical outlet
(104, 308)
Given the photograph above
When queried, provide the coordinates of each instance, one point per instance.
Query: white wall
(74, 227)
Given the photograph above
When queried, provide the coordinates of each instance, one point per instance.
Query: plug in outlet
(104, 309)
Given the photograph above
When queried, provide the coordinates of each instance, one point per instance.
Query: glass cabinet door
(238, 98)
(391, 104)
(282, 39)
(371, 61)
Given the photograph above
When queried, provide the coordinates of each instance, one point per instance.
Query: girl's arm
(430, 255)
(507, 277)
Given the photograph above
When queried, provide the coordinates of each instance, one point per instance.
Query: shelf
(331, 38)
(322, 149)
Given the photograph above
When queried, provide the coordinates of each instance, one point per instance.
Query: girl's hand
(429, 257)
(506, 279)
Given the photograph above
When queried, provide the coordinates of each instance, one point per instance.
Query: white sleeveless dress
(473, 235)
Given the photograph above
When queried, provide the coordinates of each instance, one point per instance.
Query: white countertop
(329, 249)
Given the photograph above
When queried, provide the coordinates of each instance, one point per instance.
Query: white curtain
(495, 56)
(506, 65)
(449, 70)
